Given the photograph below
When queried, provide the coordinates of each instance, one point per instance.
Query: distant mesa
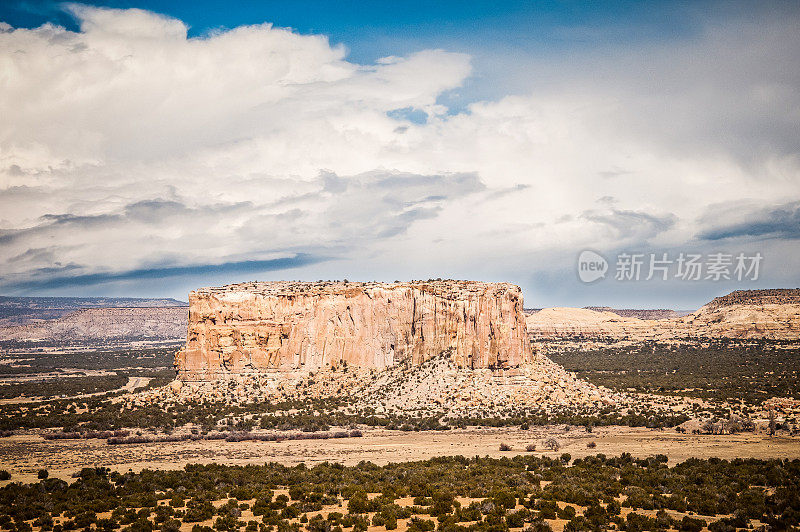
(25, 310)
(642, 314)
(747, 314)
(94, 326)
(76, 303)
(91, 320)
(251, 328)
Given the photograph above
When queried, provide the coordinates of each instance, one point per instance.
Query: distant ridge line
(642, 314)
(770, 296)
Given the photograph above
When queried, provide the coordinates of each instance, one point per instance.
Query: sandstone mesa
(251, 328)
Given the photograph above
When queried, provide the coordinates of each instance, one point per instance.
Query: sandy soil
(24, 455)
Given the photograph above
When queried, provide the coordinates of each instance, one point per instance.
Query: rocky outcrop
(772, 321)
(473, 392)
(94, 325)
(437, 387)
(773, 296)
(744, 314)
(260, 327)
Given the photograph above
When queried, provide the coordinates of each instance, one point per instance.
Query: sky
(149, 148)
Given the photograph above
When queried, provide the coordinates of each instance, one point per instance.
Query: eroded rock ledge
(252, 328)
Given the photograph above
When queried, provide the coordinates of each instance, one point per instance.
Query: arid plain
(584, 399)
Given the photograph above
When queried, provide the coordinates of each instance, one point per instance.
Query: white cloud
(127, 145)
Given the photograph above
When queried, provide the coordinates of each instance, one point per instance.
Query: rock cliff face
(257, 327)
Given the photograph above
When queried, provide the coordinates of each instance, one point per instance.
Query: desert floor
(24, 455)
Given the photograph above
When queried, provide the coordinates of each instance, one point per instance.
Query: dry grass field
(24, 455)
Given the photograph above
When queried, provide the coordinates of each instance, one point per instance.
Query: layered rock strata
(253, 328)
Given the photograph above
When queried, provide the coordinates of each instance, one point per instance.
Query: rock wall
(256, 327)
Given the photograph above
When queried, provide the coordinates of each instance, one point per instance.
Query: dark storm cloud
(627, 224)
(781, 221)
(415, 188)
(610, 174)
(35, 254)
(382, 204)
(154, 210)
(79, 221)
(503, 192)
(52, 222)
(379, 204)
(147, 211)
(401, 222)
(53, 278)
(332, 216)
